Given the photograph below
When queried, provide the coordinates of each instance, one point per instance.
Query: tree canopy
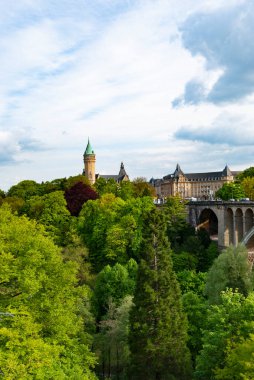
(112, 228)
(232, 190)
(227, 326)
(231, 269)
(41, 325)
(158, 325)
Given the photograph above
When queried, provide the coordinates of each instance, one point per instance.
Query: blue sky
(152, 83)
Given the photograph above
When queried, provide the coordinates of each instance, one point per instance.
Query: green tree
(192, 281)
(230, 190)
(73, 180)
(249, 172)
(78, 253)
(111, 344)
(239, 362)
(158, 326)
(248, 186)
(104, 186)
(57, 184)
(191, 250)
(195, 307)
(231, 269)
(51, 186)
(178, 230)
(124, 189)
(112, 228)
(51, 211)
(226, 326)
(200, 256)
(16, 204)
(41, 325)
(24, 189)
(112, 285)
(142, 188)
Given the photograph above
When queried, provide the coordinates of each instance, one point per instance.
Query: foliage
(232, 190)
(175, 212)
(249, 172)
(227, 325)
(73, 180)
(158, 324)
(195, 308)
(192, 250)
(142, 188)
(79, 254)
(184, 260)
(77, 195)
(203, 256)
(51, 211)
(24, 189)
(106, 186)
(57, 184)
(191, 281)
(2, 194)
(16, 204)
(111, 343)
(112, 228)
(248, 186)
(230, 270)
(124, 189)
(112, 285)
(41, 325)
(239, 362)
(178, 230)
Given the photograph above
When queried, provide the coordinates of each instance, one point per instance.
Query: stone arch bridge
(226, 222)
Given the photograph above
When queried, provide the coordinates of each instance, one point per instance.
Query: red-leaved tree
(77, 195)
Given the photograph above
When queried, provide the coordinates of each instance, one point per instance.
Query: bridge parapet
(222, 203)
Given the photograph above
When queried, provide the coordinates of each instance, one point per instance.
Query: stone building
(89, 163)
(192, 185)
(89, 168)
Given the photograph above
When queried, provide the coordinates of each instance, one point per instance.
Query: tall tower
(89, 161)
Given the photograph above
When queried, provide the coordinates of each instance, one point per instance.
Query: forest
(98, 283)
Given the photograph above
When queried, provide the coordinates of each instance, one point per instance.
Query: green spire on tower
(89, 149)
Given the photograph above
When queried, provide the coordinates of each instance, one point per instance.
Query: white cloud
(107, 71)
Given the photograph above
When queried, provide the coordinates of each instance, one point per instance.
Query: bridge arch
(209, 221)
(248, 239)
(249, 219)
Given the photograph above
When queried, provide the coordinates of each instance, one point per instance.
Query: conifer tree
(157, 322)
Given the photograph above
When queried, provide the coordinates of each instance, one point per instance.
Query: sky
(152, 83)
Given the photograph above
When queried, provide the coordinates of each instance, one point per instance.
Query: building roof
(116, 177)
(226, 172)
(178, 171)
(89, 149)
(108, 176)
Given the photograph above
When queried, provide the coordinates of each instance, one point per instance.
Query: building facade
(192, 185)
(89, 168)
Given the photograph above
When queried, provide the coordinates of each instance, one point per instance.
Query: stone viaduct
(226, 222)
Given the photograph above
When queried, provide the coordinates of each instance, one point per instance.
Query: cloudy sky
(153, 83)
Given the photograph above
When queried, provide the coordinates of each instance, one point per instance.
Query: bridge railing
(217, 202)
